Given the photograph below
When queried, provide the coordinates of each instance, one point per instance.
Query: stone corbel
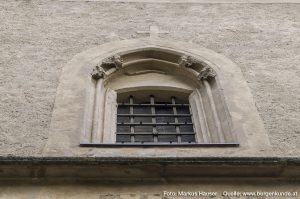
(186, 61)
(206, 73)
(98, 72)
(114, 61)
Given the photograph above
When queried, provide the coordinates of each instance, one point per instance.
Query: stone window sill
(118, 145)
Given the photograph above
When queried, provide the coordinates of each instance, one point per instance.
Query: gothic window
(96, 82)
(156, 98)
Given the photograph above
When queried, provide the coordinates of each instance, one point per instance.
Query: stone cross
(153, 32)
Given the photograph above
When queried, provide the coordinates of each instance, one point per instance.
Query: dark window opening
(152, 121)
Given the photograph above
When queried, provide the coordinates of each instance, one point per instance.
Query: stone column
(198, 116)
(94, 108)
(86, 131)
(204, 75)
(110, 117)
(100, 107)
(98, 112)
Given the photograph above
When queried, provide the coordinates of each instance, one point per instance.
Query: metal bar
(154, 124)
(168, 105)
(162, 144)
(153, 133)
(154, 130)
(176, 120)
(154, 115)
(131, 120)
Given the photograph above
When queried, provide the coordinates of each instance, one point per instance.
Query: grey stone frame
(225, 109)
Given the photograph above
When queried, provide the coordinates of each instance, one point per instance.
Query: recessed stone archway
(156, 68)
(221, 78)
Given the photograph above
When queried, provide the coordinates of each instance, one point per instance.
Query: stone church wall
(39, 37)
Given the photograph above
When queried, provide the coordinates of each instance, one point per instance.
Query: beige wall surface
(153, 190)
(39, 37)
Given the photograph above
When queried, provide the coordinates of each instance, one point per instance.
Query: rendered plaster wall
(39, 37)
(135, 191)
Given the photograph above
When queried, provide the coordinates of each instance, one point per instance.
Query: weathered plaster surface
(39, 37)
(151, 190)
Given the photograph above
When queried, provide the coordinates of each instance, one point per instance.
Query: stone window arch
(156, 70)
(222, 105)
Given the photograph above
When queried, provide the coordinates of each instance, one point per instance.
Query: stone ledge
(116, 168)
(16, 160)
(190, 1)
(36, 160)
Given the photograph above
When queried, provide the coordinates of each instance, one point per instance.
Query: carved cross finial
(186, 61)
(206, 72)
(115, 61)
(153, 32)
(98, 72)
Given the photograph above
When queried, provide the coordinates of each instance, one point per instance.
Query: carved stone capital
(114, 61)
(186, 61)
(98, 72)
(206, 72)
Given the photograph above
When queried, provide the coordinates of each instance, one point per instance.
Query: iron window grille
(154, 122)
